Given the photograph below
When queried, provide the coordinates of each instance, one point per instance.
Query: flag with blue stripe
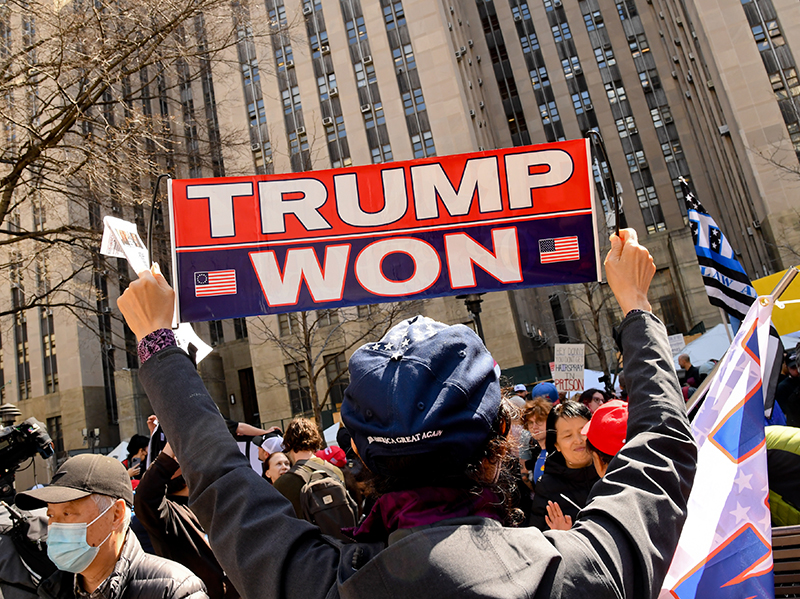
(727, 284)
(725, 548)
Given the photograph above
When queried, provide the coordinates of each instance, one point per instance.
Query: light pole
(473, 303)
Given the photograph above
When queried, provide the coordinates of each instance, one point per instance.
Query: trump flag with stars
(725, 548)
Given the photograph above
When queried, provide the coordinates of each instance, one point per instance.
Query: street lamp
(9, 413)
(473, 303)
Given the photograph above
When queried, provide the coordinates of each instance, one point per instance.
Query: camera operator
(23, 535)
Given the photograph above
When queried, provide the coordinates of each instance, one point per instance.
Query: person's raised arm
(630, 527)
(265, 550)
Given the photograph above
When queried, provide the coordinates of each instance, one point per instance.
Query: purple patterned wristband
(155, 342)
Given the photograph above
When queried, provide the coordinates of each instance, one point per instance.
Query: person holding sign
(425, 412)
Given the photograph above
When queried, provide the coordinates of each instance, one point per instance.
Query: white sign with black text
(568, 369)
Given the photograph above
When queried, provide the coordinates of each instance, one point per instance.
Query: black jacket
(620, 546)
(174, 530)
(558, 480)
(137, 575)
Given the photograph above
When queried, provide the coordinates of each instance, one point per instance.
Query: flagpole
(777, 292)
(726, 323)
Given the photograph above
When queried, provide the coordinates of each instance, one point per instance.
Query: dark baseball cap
(424, 388)
(791, 359)
(78, 477)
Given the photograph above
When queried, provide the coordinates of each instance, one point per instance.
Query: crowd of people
(442, 484)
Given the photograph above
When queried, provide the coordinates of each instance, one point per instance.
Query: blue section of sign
(250, 300)
(743, 430)
(722, 576)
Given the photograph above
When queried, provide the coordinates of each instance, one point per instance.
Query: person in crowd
(568, 472)
(88, 508)
(783, 473)
(606, 433)
(301, 441)
(429, 424)
(605, 436)
(692, 373)
(161, 505)
(333, 454)
(787, 394)
(547, 390)
(353, 481)
(536, 424)
(276, 465)
(623, 391)
(519, 396)
(687, 392)
(269, 446)
(137, 454)
(593, 399)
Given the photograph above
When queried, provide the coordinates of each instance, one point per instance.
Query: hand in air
(148, 303)
(555, 518)
(629, 270)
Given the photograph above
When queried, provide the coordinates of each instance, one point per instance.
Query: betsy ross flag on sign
(215, 282)
(560, 249)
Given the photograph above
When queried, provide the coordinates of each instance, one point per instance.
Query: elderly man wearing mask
(88, 509)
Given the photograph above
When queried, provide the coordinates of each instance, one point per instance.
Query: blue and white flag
(727, 284)
(725, 549)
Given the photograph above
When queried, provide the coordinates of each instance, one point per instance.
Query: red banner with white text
(469, 223)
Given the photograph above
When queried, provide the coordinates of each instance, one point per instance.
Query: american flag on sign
(215, 282)
(560, 249)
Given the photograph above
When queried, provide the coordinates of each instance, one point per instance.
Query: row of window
(333, 121)
(410, 89)
(297, 384)
(625, 122)
(779, 64)
(260, 145)
(512, 106)
(367, 82)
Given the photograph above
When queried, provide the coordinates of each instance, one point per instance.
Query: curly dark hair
(439, 469)
(302, 435)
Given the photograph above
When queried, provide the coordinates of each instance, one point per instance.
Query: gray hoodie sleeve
(630, 527)
(265, 550)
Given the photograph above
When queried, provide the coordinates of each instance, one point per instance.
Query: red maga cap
(608, 427)
(333, 454)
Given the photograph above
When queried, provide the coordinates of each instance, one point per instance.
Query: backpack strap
(305, 471)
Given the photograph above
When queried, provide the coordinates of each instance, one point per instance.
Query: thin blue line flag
(727, 284)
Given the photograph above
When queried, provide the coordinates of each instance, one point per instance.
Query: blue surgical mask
(67, 547)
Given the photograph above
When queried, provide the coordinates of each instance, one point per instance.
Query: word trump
(304, 198)
(423, 228)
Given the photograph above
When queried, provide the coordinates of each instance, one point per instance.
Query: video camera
(17, 444)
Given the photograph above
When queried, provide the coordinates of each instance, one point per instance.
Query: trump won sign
(470, 223)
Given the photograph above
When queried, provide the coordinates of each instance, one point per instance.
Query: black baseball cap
(78, 477)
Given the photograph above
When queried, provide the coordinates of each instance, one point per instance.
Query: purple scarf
(421, 507)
